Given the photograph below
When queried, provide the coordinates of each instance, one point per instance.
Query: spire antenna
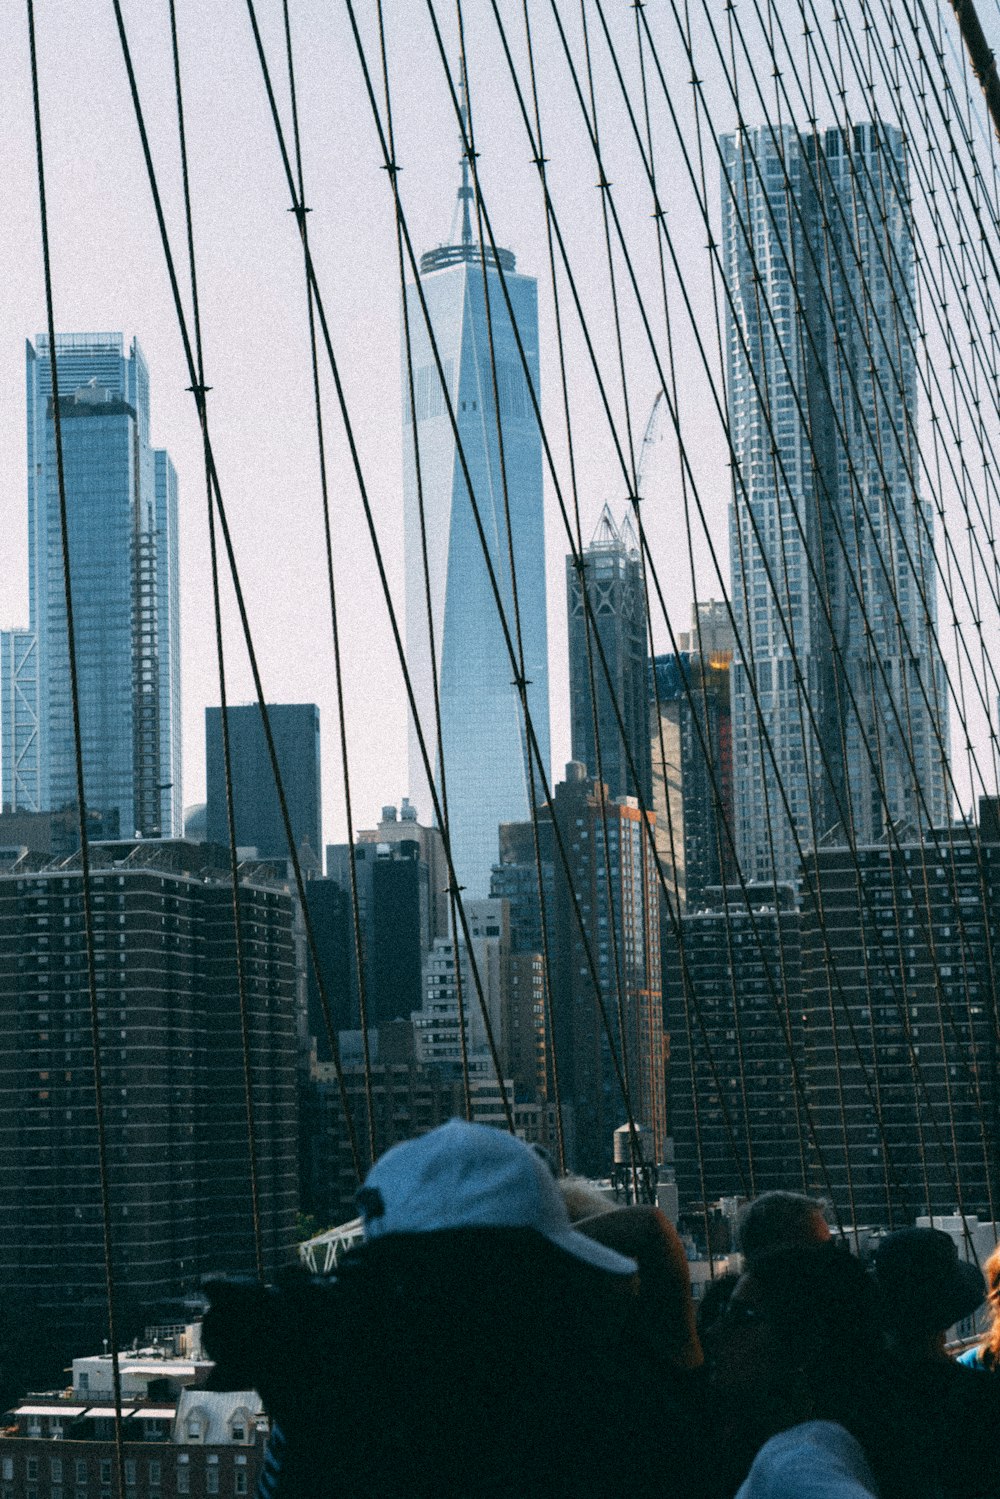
(465, 191)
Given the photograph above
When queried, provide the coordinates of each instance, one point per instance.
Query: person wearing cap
(925, 1288)
(469, 1349)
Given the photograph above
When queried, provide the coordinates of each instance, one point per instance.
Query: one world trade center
(452, 620)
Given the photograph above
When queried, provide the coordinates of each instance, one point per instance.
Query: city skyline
(407, 436)
(263, 426)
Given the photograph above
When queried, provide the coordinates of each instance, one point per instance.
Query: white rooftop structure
(93, 1377)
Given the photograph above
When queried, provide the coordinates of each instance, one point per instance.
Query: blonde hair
(583, 1199)
(991, 1339)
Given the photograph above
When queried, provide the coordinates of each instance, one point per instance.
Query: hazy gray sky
(109, 274)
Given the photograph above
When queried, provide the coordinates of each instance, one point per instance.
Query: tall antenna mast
(465, 191)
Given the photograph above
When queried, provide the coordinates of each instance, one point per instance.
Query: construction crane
(650, 439)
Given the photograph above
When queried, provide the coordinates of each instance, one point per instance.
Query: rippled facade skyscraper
(121, 501)
(485, 752)
(839, 710)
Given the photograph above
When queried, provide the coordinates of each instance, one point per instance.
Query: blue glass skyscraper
(485, 752)
(121, 497)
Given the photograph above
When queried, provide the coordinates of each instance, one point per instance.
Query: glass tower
(613, 571)
(830, 539)
(121, 497)
(485, 753)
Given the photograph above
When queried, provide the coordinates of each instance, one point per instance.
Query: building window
(8, 1469)
(105, 1470)
(130, 1469)
(81, 1470)
(183, 1480)
(32, 1468)
(154, 1475)
(240, 1481)
(211, 1480)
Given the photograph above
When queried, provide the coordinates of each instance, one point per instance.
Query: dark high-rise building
(612, 568)
(404, 828)
(515, 879)
(174, 1082)
(691, 734)
(575, 1041)
(259, 823)
(408, 1099)
(605, 841)
(400, 872)
(732, 1010)
(333, 932)
(899, 984)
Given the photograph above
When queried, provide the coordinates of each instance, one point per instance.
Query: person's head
(924, 1286)
(797, 1330)
(780, 1220)
(661, 1321)
(463, 1177)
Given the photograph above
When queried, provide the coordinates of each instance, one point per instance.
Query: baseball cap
(473, 1176)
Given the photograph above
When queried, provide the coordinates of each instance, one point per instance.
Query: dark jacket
(482, 1364)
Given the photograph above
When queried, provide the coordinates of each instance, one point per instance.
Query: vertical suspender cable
(221, 660)
(300, 210)
(81, 802)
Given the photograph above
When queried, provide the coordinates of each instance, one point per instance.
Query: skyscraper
(691, 733)
(121, 499)
(829, 536)
(613, 571)
(259, 824)
(486, 759)
(175, 1103)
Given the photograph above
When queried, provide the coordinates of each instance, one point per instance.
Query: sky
(109, 274)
